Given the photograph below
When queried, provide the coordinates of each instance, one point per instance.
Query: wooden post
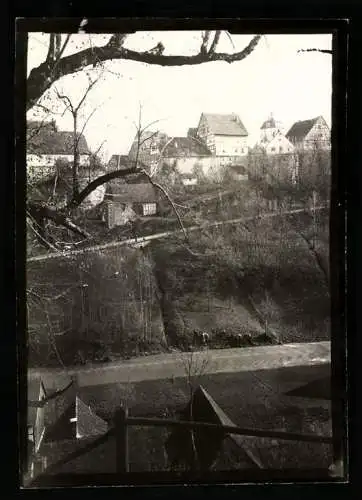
(120, 423)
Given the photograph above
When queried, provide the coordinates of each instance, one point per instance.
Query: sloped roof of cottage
(46, 139)
(132, 193)
(186, 146)
(225, 124)
(147, 138)
(300, 129)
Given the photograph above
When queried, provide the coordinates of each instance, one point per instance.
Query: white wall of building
(279, 145)
(230, 145)
(34, 160)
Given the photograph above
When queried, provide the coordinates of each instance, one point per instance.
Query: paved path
(163, 366)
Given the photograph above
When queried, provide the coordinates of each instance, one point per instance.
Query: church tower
(270, 129)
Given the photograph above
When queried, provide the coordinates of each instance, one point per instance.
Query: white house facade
(223, 134)
(279, 145)
(46, 145)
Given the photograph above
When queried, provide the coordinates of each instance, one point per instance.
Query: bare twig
(163, 190)
(40, 237)
(43, 76)
(214, 42)
(323, 51)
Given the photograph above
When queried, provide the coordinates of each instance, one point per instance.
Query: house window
(272, 149)
(154, 149)
(280, 149)
(149, 208)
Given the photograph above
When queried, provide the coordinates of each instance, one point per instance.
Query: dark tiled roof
(185, 147)
(132, 193)
(225, 124)
(48, 140)
(300, 129)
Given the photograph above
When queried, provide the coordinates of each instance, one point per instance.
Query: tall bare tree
(57, 65)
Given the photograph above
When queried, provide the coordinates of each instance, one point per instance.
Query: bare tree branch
(163, 190)
(38, 234)
(51, 49)
(98, 182)
(40, 211)
(214, 42)
(205, 40)
(323, 51)
(41, 78)
(66, 99)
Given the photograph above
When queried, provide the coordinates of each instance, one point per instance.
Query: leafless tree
(74, 109)
(56, 65)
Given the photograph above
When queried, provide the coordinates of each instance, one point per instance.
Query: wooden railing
(122, 422)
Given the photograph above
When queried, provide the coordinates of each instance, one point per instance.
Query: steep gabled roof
(300, 129)
(225, 124)
(185, 147)
(47, 140)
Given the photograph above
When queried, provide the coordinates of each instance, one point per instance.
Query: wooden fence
(122, 422)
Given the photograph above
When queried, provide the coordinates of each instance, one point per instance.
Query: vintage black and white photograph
(178, 309)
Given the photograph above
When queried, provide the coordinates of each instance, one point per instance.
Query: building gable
(221, 124)
(186, 147)
(279, 145)
(48, 140)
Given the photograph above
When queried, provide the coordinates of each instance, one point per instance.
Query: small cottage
(187, 155)
(46, 145)
(125, 202)
(223, 134)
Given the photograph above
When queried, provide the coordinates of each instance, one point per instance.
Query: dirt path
(162, 366)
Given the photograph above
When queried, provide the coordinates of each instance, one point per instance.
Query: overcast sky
(274, 78)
